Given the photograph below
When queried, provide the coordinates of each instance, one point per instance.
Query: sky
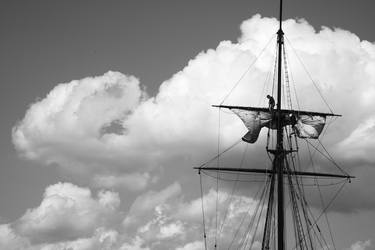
(105, 109)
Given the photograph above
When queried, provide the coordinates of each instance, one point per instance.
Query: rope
(292, 78)
(308, 73)
(203, 218)
(257, 225)
(329, 204)
(331, 160)
(233, 191)
(288, 96)
(223, 152)
(247, 70)
(303, 202)
(217, 180)
(263, 188)
(251, 224)
(322, 200)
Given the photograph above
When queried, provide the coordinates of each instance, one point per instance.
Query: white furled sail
(254, 121)
(309, 126)
(305, 126)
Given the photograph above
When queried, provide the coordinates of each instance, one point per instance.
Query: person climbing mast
(271, 103)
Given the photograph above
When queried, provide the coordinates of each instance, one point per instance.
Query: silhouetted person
(271, 103)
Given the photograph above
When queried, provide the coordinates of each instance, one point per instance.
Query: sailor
(271, 103)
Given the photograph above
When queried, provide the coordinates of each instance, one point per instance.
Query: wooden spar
(270, 171)
(283, 111)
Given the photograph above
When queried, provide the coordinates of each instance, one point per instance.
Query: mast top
(281, 15)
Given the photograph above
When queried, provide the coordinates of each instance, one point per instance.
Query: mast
(278, 163)
(280, 167)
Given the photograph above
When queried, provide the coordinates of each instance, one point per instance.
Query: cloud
(147, 202)
(165, 220)
(109, 129)
(196, 245)
(133, 181)
(10, 240)
(76, 121)
(70, 217)
(136, 244)
(360, 144)
(361, 245)
(102, 239)
(108, 121)
(68, 212)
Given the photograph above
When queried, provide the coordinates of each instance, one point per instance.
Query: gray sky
(44, 43)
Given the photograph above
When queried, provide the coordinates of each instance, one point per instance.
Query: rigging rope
(221, 153)
(263, 188)
(203, 218)
(293, 83)
(327, 157)
(247, 70)
(233, 191)
(288, 95)
(321, 200)
(244, 244)
(332, 158)
(308, 73)
(217, 174)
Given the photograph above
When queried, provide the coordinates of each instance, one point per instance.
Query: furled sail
(305, 125)
(309, 126)
(254, 121)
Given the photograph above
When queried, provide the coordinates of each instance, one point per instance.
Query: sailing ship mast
(280, 118)
(278, 162)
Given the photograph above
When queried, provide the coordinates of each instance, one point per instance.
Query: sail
(254, 121)
(309, 126)
(305, 126)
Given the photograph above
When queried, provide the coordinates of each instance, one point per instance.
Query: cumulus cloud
(164, 219)
(68, 212)
(196, 245)
(10, 240)
(147, 202)
(135, 244)
(108, 125)
(133, 181)
(361, 245)
(101, 239)
(108, 121)
(360, 144)
(70, 217)
(77, 120)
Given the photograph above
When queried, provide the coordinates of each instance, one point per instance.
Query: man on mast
(271, 103)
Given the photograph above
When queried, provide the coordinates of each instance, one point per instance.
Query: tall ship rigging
(283, 217)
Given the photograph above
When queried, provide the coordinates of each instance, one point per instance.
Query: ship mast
(280, 167)
(278, 162)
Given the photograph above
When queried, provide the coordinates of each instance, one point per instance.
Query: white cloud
(103, 122)
(171, 230)
(360, 144)
(164, 220)
(10, 240)
(146, 203)
(133, 181)
(107, 122)
(75, 122)
(101, 239)
(68, 212)
(196, 245)
(361, 245)
(135, 244)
